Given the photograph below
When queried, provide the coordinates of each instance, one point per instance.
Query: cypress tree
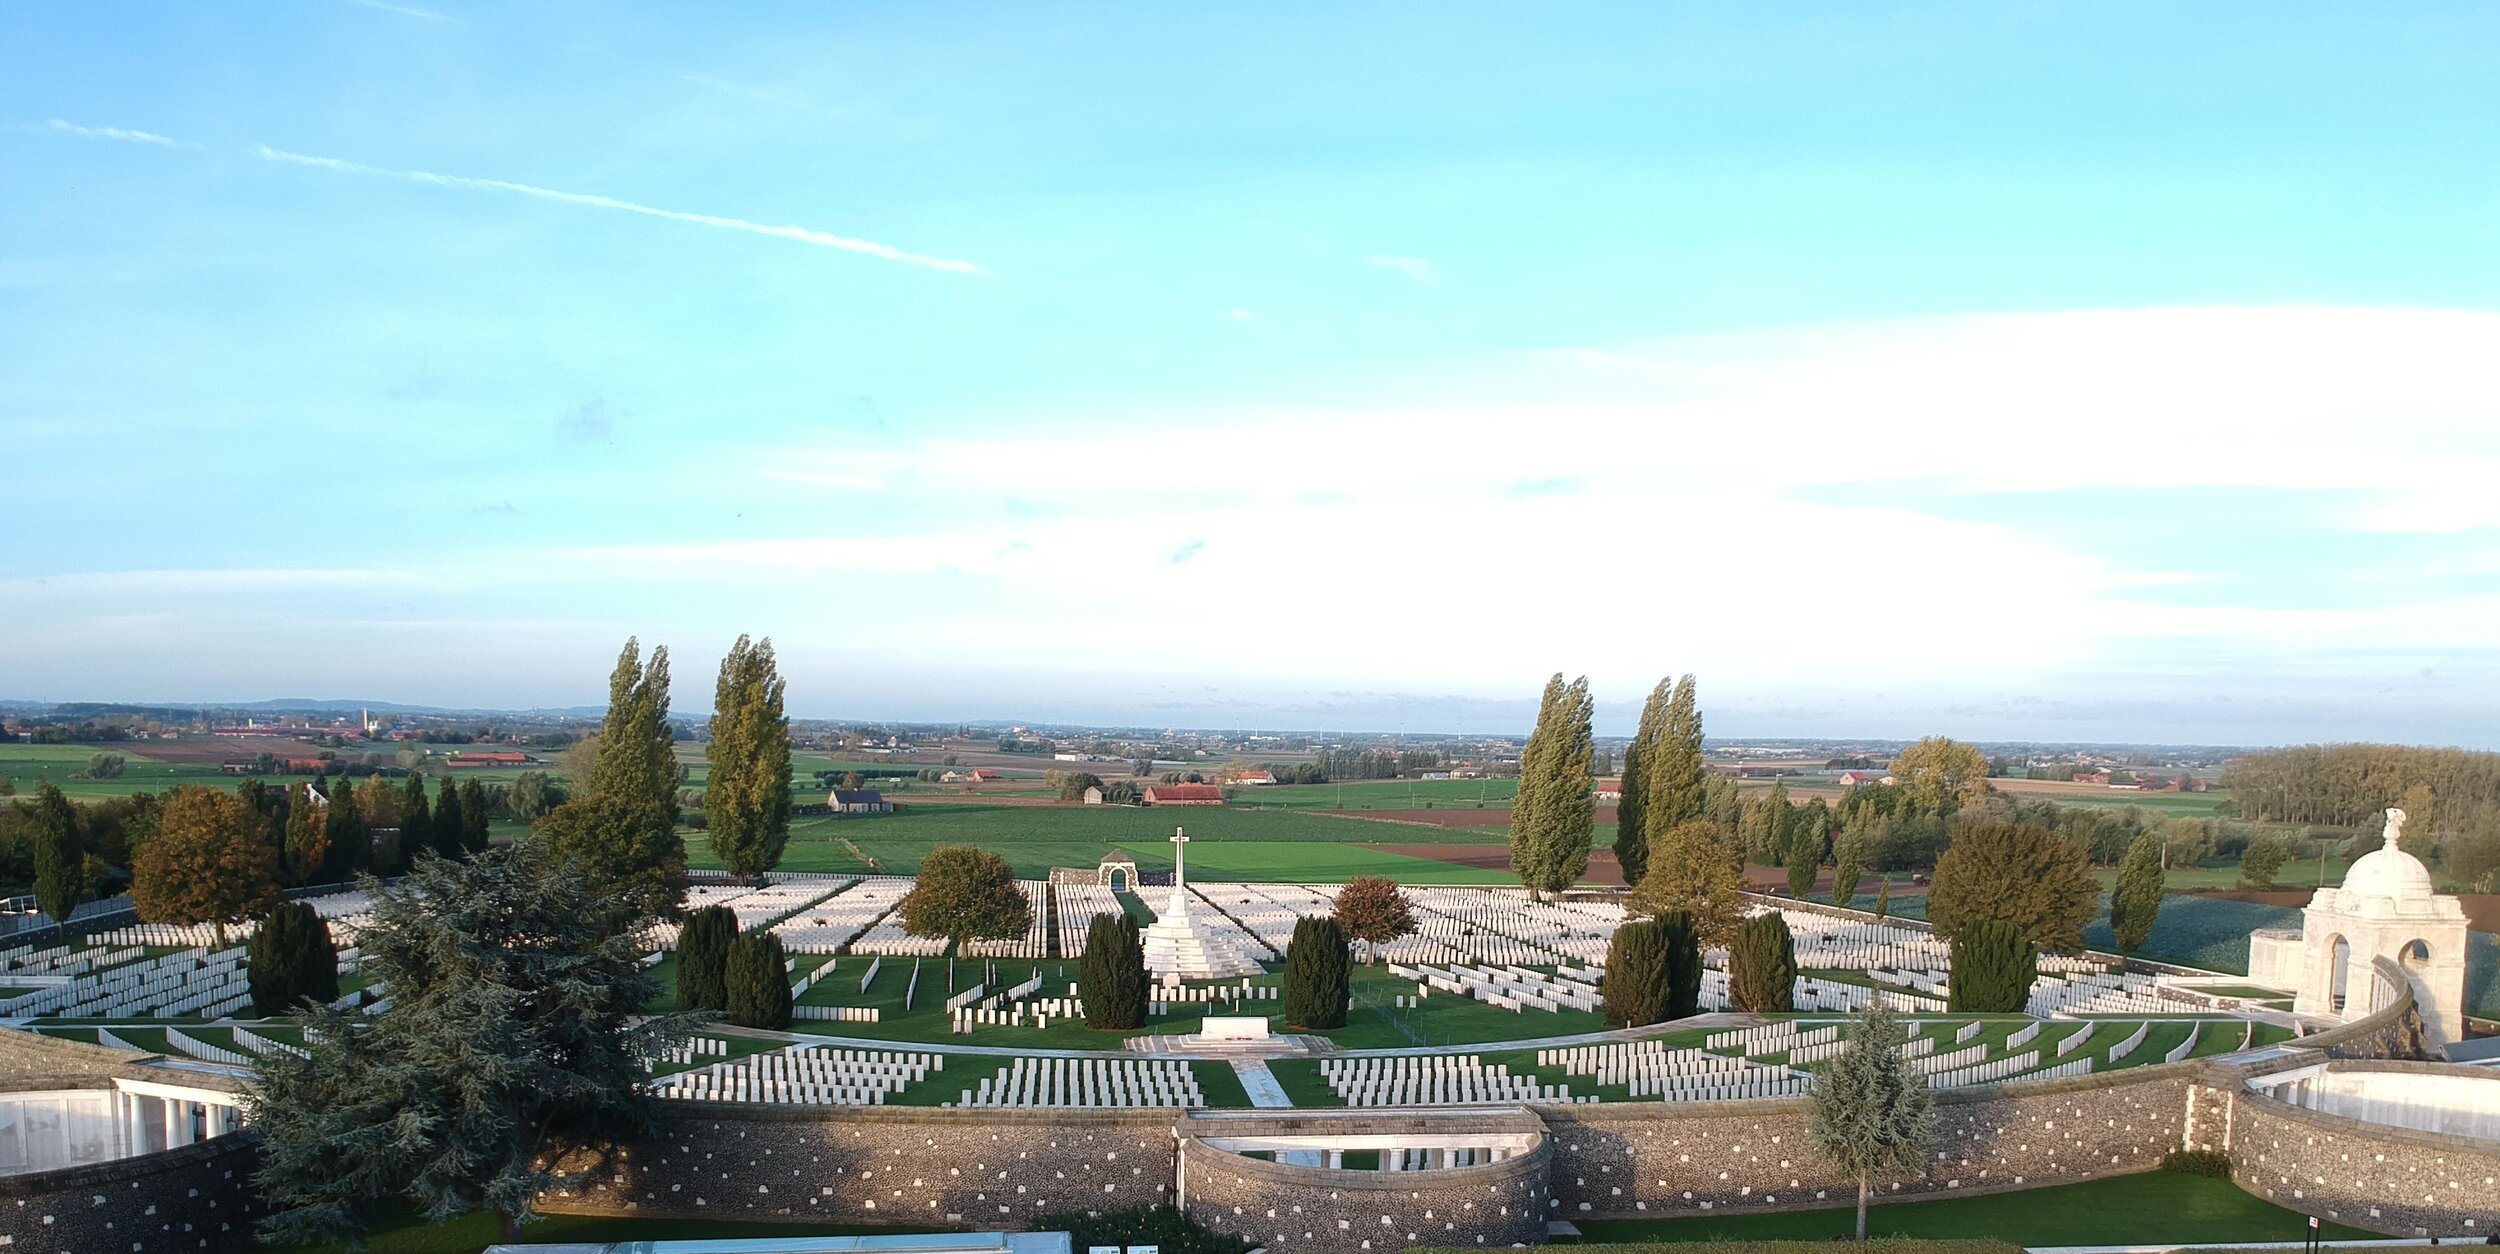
(1631, 818)
(702, 955)
(416, 822)
(1804, 856)
(306, 844)
(1318, 971)
(1635, 987)
(60, 857)
(473, 817)
(1883, 897)
(746, 802)
(351, 845)
(1848, 867)
(293, 960)
(1993, 966)
(1683, 963)
(1112, 978)
(2136, 902)
(757, 984)
(1674, 785)
(1554, 814)
(450, 833)
(1762, 965)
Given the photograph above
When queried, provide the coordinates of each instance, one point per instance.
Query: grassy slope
(2161, 1206)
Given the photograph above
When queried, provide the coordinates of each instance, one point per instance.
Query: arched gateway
(2386, 908)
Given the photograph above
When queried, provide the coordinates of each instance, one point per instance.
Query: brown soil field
(2482, 910)
(212, 752)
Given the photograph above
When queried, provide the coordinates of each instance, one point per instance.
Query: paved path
(1260, 1083)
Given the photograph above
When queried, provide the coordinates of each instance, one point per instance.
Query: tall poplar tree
(60, 858)
(416, 822)
(637, 759)
(1631, 818)
(473, 817)
(1554, 815)
(307, 846)
(747, 802)
(351, 844)
(1673, 783)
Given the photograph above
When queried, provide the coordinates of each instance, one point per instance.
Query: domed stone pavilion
(2386, 908)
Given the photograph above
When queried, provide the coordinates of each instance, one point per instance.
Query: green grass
(1382, 794)
(401, 1232)
(2159, 1206)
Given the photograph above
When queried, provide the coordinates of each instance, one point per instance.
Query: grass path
(2161, 1206)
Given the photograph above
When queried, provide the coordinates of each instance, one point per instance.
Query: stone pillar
(1336, 1160)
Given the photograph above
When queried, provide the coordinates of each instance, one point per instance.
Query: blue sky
(2050, 371)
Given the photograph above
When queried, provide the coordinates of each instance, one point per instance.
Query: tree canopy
(963, 893)
(636, 756)
(210, 861)
(746, 803)
(1938, 775)
(1554, 813)
(2136, 902)
(624, 848)
(1374, 910)
(1693, 871)
(516, 1035)
(2017, 872)
(1871, 1109)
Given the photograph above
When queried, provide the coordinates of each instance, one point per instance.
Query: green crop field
(1381, 794)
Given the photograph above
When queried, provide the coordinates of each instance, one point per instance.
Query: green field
(1381, 794)
(2165, 1207)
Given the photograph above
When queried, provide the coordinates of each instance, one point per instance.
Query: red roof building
(1184, 795)
(489, 759)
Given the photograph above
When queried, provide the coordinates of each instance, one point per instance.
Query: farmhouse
(1184, 795)
(462, 760)
(1610, 790)
(1859, 779)
(1255, 778)
(860, 801)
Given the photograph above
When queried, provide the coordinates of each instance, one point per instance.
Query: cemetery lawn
(401, 1232)
(1218, 1083)
(1278, 846)
(2165, 1207)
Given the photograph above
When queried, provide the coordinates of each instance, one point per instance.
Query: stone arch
(2338, 953)
(2414, 955)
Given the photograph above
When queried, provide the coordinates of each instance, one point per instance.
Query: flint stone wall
(2369, 1175)
(196, 1198)
(1306, 1209)
(883, 1164)
(1716, 1157)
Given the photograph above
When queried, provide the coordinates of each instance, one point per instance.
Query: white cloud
(116, 134)
(403, 10)
(800, 234)
(1415, 268)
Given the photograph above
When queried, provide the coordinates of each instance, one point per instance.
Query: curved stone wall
(195, 1198)
(2370, 1175)
(1287, 1207)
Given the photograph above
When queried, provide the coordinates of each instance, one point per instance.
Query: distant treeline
(2442, 790)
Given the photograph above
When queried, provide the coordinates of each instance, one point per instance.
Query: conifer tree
(1768, 838)
(450, 832)
(1872, 1112)
(1635, 984)
(293, 960)
(1631, 816)
(1805, 856)
(637, 758)
(625, 850)
(350, 844)
(1848, 867)
(1993, 966)
(516, 1039)
(2136, 902)
(1883, 898)
(60, 857)
(307, 843)
(757, 983)
(2018, 872)
(1674, 781)
(416, 822)
(703, 957)
(1683, 964)
(746, 804)
(1318, 974)
(1112, 978)
(1554, 814)
(473, 818)
(1762, 965)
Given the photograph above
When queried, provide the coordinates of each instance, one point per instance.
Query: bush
(2212, 1163)
(1683, 934)
(1635, 984)
(702, 954)
(1169, 1229)
(2263, 861)
(757, 982)
(1318, 971)
(1112, 980)
(293, 961)
(1762, 965)
(1994, 964)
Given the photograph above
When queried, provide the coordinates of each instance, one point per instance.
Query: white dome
(2388, 872)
